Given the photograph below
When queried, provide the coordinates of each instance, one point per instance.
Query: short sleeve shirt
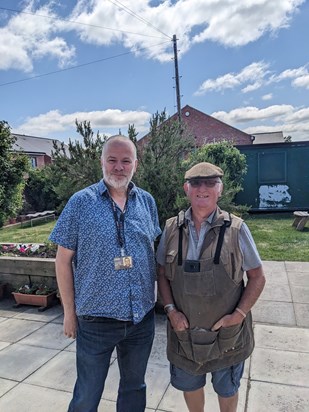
(87, 226)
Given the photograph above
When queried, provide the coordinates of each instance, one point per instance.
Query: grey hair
(120, 138)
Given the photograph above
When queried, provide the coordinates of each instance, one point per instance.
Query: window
(33, 162)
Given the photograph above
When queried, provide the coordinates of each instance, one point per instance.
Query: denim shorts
(225, 381)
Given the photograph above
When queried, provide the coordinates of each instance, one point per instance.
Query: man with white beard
(107, 231)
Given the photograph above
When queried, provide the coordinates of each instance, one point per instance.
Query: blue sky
(244, 62)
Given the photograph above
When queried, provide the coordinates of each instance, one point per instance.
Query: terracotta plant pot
(34, 300)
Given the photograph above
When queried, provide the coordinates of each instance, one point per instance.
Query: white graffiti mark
(274, 196)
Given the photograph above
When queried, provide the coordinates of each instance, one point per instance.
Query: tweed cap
(203, 169)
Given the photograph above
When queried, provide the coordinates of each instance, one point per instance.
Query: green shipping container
(277, 178)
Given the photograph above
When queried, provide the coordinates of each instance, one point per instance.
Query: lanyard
(119, 221)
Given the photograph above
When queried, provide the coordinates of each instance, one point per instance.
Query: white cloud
(289, 119)
(54, 121)
(232, 23)
(268, 96)
(251, 75)
(27, 38)
(302, 81)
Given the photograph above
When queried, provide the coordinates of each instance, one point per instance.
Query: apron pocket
(231, 338)
(198, 345)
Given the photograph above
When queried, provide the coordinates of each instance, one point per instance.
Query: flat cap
(203, 169)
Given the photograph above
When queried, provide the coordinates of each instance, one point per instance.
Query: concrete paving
(37, 363)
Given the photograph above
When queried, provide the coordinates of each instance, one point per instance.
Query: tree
(39, 193)
(12, 170)
(160, 163)
(79, 167)
(234, 166)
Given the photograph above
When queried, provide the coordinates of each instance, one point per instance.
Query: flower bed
(46, 250)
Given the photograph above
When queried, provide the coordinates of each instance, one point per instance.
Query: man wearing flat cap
(202, 256)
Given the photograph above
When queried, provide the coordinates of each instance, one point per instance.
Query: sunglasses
(206, 182)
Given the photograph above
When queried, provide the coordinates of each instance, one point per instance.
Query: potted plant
(36, 295)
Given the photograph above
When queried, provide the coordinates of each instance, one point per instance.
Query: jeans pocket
(88, 318)
(230, 339)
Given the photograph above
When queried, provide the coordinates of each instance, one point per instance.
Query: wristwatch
(169, 308)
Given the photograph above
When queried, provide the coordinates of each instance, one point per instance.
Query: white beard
(115, 182)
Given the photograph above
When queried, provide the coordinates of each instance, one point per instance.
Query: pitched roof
(208, 129)
(33, 145)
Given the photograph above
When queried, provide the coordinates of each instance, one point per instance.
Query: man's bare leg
(228, 404)
(195, 400)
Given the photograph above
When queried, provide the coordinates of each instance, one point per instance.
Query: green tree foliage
(39, 193)
(77, 166)
(160, 162)
(231, 161)
(12, 169)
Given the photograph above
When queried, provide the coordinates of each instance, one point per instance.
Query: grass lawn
(276, 239)
(274, 235)
(35, 234)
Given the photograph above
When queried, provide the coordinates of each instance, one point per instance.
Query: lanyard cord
(119, 223)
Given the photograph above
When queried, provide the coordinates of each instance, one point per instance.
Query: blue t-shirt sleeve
(65, 232)
(251, 255)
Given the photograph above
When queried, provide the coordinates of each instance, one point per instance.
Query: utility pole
(177, 78)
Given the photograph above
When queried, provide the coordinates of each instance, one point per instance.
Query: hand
(228, 320)
(178, 320)
(70, 325)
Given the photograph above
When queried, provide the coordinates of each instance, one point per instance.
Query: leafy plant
(33, 289)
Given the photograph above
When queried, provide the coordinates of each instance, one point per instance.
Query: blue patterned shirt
(87, 226)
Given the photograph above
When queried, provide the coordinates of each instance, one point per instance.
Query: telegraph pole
(177, 78)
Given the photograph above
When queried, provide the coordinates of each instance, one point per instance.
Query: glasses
(206, 182)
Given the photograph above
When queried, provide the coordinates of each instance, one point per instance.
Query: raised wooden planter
(43, 301)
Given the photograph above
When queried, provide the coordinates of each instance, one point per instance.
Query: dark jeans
(96, 340)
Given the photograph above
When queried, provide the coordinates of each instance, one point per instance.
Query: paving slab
(269, 311)
(281, 338)
(59, 373)
(32, 313)
(48, 336)
(4, 345)
(302, 314)
(6, 385)
(7, 310)
(276, 292)
(173, 400)
(29, 398)
(280, 366)
(19, 361)
(274, 267)
(298, 278)
(12, 330)
(297, 266)
(300, 293)
(270, 397)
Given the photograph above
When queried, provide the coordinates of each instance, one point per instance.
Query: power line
(132, 13)
(80, 23)
(73, 67)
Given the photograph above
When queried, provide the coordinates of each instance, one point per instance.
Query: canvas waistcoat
(205, 296)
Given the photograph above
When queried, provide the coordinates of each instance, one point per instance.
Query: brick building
(206, 129)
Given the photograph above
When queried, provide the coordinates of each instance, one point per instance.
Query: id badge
(123, 262)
